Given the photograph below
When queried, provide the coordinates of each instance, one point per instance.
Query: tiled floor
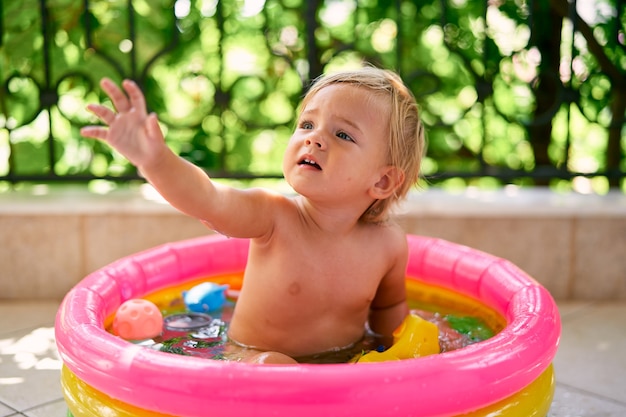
(590, 365)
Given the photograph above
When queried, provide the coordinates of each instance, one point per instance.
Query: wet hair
(406, 143)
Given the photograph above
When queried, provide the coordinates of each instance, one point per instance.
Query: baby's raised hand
(131, 130)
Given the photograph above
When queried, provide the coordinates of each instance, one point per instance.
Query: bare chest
(319, 269)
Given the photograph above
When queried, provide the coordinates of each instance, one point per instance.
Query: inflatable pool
(509, 374)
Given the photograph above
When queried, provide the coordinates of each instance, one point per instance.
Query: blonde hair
(406, 132)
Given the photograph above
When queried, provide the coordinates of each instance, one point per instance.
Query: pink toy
(138, 319)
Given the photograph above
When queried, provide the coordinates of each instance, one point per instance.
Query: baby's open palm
(131, 130)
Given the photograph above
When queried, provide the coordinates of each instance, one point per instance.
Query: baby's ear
(390, 179)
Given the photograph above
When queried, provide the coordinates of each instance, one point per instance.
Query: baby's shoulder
(388, 234)
(388, 227)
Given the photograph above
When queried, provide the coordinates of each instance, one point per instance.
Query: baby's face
(340, 143)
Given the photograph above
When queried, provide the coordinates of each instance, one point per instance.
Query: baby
(327, 261)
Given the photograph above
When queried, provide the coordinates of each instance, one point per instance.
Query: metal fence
(527, 92)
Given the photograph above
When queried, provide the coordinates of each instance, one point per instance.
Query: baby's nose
(316, 142)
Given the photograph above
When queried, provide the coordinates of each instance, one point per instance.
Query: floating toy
(414, 338)
(138, 319)
(183, 322)
(205, 297)
(508, 375)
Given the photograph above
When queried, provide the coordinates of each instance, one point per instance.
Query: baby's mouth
(310, 162)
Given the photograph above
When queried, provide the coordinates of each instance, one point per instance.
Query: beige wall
(574, 245)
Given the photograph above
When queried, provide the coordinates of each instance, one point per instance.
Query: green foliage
(226, 78)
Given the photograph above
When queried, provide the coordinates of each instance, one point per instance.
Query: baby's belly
(293, 336)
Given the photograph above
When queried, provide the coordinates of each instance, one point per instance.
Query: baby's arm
(384, 320)
(389, 306)
(137, 135)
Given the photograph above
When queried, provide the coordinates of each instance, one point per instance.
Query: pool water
(205, 335)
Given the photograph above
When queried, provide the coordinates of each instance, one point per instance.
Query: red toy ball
(138, 319)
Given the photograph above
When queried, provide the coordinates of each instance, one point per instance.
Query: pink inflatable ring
(448, 384)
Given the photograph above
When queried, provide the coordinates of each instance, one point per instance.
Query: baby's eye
(306, 125)
(344, 136)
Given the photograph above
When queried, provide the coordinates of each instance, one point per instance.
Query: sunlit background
(512, 93)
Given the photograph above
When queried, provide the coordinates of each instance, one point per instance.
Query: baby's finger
(153, 128)
(119, 99)
(94, 132)
(103, 113)
(137, 100)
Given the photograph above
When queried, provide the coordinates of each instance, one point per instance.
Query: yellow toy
(415, 337)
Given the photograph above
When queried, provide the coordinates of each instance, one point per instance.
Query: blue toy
(205, 297)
